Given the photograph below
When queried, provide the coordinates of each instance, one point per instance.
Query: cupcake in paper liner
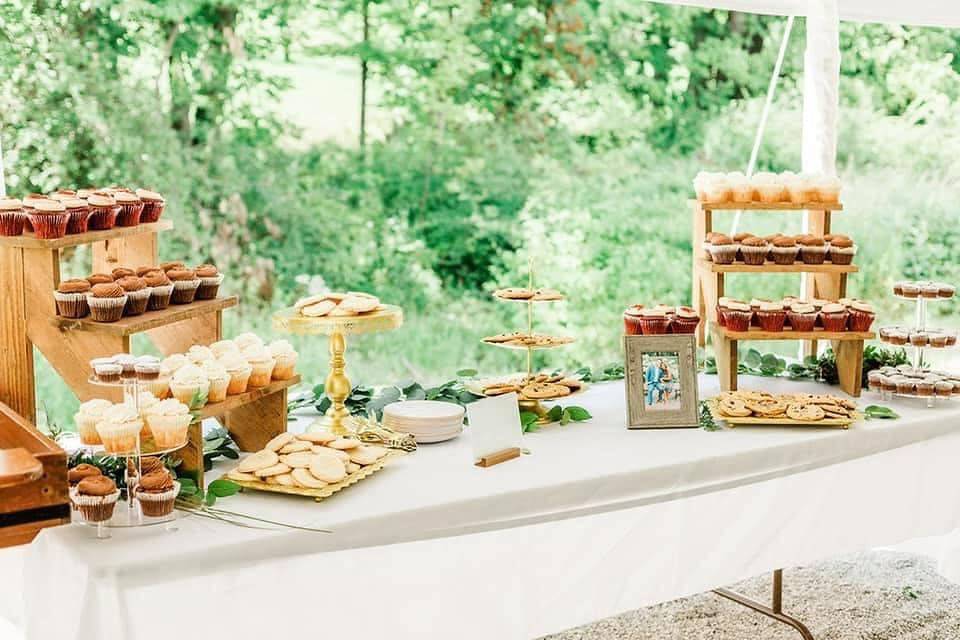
(754, 250)
(185, 285)
(802, 316)
(80, 472)
(723, 249)
(827, 189)
(842, 250)
(169, 421)
(834, 317)
(246, 340)
(219, 380)
(190, 385)
(862, 316)
(49, 219)
(106, 302)
(138, 295)
(71, 298)
(157, 492)
(784, 250)
(717, 190)
(11, 217)
(90, 413)
(262, 364)
(631, 320)
(771, 316)
(120, 428)
(95, 497)
(286, 357)
(78, 215)
(198, 354)
(160, 387)
(210, 279)
(130, 208)
(654, 322)
(161, 289)
(239, 370)
(737, 316)
(222, 347)
(685, 321)
(741, 189)
(103, 211)
(769, 187)
(705, 246)
(813, 249)
(153, 205)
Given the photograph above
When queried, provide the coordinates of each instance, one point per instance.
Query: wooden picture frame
(661, 381)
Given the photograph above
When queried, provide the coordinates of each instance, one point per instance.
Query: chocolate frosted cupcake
(71, 297)
(78, 215)
(738, 239)
(122, 272)
(170, 266)
(754, 250)
(49, 219)
(130, 208)
(99, 278)
(841, 250)
(103, 211)
(210, 280)
(153, 205)
(145, 269)
(81, 472)
(11, 217)
(62, 195)
(107, 301)
(723, 249)
(157, 493)
(160, 290)
(95, 498)
(813, 249)
(785, 250)
(138, 295)
(185, 285)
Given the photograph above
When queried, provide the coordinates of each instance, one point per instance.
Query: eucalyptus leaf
(467, 373)
(753, 359)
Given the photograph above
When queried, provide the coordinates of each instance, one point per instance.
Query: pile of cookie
(310, 460)
(526, 294)
(332, 305)
(520, 339)
(542, 386)
(803, 407)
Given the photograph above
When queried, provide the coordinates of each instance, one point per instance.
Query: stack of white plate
(426, 420)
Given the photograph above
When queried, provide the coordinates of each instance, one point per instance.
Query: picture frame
(661, 381)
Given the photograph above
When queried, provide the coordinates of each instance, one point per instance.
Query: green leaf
(875, 411)
(210, 499)
(578, 414)
(223, 488)
(555, 413)
(565, 417)
(528, 420)
(753, 359)
(467, 373)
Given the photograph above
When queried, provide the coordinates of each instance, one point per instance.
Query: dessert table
(596, 520)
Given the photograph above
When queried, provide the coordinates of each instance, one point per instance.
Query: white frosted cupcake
(119, 429)
(262, 363)
(170, 364)
(717, 190)
(219, 380)
(741, 189)
(827, 188)
(168, 421)
(246, 340)
(147, 400)
(286, 357)
(160, 387)
(700, 184)
(769, 187)
(189, 385)
(198, 354)
(801, 190)
(223, 347)
(239, 370)
(90, 413)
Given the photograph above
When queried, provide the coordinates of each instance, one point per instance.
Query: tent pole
(3, 178)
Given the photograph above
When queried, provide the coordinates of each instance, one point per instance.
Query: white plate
(424, 410)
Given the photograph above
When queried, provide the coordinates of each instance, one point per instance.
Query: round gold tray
(384, 319)
(527, 347)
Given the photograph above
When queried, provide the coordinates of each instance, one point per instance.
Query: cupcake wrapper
(631, 326)
(94, 508)
(188, 393)
(78, 221)
(738, 320)
(842, 255)
(261, 373)
(184, 291)
(679, 325)
(119, 438)
(152, 212)
(785, 255)
(209, 287)
(160, 297)
(71, 305)
(771, 194)
(724, 254)
(813, 255)
(706, 251)
(743, 193)
(802, 321)
(218, 390)
(285, 367)
(159, 387)
(771, 320)
(158, 505)
(102, 218)
(861, 320)
(238, 382)
(137, 302)
(721, 316)
(129, 215)
(168, 431)
(11, 223)
(799, 195)
(49, 226)
(834, 321)
(87, 428)
(106, 309)
(754, 255)
(654, 326)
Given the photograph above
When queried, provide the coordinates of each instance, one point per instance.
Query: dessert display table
(597, 520)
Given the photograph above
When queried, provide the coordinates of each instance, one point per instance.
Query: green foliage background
(562, 130)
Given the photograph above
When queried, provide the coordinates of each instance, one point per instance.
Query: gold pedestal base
(341, 427)
(535, 406)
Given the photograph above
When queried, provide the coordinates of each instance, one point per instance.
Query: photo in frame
(661, 381)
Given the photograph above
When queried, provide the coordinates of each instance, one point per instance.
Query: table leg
(774, 611)
(725, 352)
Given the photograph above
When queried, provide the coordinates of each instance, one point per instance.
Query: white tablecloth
(595, 521)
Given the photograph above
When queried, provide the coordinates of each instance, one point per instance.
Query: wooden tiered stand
(824, 281)
(29, 273)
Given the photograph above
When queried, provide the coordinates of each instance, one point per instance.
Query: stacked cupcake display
(916, 380)
(125, 292)
(68, 212)
(746, 248)
(766, 188)
(794, 314)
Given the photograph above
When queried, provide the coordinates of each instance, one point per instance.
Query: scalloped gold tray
(330, 489)
(388, 317)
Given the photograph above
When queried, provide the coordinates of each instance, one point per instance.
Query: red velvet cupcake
(834, 317)
(654, 322)
(738, 316)
(78, 212)
(153, 205)
(685, 321)
(861, 316)
(631, 320)
(130, 208)
(771, 316)
(11, 217)
(802, 316)
(103, 211)
(49, 219)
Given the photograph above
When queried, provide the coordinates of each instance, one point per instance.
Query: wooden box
(33, 480)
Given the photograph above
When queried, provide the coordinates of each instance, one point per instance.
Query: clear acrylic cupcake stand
(131, 515)
(916, 352)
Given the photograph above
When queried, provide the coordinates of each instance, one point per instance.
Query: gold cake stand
(338, 387)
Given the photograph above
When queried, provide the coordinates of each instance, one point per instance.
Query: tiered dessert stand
(533, 406)
(824, 281)
(338, 386)
(30, 272)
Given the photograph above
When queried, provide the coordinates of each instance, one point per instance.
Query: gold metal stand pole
(775, 611)
(338, 386)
